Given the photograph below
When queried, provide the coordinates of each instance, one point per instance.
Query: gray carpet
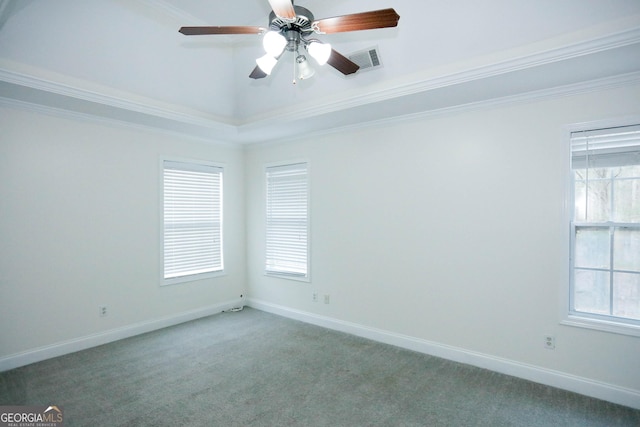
(252, 368)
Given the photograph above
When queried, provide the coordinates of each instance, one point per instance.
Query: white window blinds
(192, 219)
(287, 221)
(603, 148)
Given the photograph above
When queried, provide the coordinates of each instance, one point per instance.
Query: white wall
(79, 228)
(450, 230)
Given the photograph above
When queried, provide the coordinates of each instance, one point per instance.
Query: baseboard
(558, 379)
(93, 340)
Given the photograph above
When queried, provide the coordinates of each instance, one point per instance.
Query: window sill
(601, 325)
(192, 278)
(289, 277)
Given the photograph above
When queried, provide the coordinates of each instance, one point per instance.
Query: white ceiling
(125, 60)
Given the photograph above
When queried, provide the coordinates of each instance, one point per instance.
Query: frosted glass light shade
(305, 70)
(320, 52)
(266, 63)
(274, 43)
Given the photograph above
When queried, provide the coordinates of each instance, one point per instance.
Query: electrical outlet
(314, 296)
(102, 310)
(326, 299)
(549, 342)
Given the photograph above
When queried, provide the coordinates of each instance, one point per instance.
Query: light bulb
(274, 43)
(266, 63)
(320, 52)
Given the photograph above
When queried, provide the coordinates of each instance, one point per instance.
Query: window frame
(569, 316)
(283, 275)
(198, 276)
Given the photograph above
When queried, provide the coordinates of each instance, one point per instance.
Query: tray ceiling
(125, 60)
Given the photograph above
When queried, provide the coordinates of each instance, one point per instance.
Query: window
(287, 221)
(605, 244)
(192, 221)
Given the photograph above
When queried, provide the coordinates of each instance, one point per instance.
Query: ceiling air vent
(367, 59)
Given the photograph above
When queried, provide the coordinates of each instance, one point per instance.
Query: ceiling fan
(291, 28)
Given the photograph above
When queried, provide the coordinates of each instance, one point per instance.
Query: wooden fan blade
(199, 31)
(383, 18)
(257, 73)
(342, 63)
(283, 8)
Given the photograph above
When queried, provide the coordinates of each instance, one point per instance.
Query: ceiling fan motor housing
(293, 29)
(302, 22)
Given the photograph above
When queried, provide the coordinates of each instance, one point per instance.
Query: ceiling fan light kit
(319, 51)
(305, 70)
(274, 43)
(290, 28)
(266, 63)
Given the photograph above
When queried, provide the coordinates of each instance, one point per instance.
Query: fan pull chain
(294, 67)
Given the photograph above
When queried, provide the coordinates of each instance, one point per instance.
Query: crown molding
(180, 120)
(447, 78)
(574, 89)
(121, 100)
(111, 122)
